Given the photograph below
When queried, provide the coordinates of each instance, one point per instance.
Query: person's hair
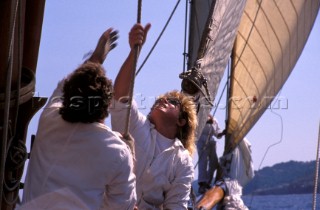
(87, 94)
(186, 133)
(210, 119)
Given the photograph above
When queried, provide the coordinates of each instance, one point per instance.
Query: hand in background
(106, 43)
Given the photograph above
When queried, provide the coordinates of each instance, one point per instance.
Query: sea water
(282, 202)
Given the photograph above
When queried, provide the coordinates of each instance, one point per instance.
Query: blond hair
(186, 133)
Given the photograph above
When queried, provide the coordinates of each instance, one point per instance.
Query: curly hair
(87, 94)
(186, 133)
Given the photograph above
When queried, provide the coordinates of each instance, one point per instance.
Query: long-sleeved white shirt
(164, 168)
(87, 159)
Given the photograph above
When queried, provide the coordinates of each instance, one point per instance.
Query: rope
(17, 156)
(316, 174)
(7, 98)
(136, 55)
(16, 153)
(164, 28)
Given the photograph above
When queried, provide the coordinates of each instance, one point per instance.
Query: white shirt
(87, 158)
(164, 168)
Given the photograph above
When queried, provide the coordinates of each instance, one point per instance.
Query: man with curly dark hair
(77, 162)
(86, 94)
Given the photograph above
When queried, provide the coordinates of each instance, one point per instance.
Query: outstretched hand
(106, 43)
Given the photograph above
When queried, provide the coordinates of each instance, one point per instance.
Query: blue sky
(72, 28)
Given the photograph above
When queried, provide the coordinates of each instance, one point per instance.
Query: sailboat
(244, 33)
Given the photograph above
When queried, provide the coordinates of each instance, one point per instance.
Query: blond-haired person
(164, 140)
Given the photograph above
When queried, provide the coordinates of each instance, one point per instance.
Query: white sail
(214, 41)
(270, 39)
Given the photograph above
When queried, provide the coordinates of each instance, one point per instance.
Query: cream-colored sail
(213, 28)
(270, 39)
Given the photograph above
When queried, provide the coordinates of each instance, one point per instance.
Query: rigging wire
(281, 134)
(316, 174)
(185, 54)
(271, 145)
(227, 85)
(276, 143)
(160, 35)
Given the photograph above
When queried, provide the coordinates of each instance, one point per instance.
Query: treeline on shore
(293, 177)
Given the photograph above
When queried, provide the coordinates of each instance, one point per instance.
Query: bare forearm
(124, 78)
(211, 198)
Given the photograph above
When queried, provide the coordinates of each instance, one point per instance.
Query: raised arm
(137, 36)
(105, 44)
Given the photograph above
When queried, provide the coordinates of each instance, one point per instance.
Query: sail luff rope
(316, 174)
(136, 55)
(158, 39)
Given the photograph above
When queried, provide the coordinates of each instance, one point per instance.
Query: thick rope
(316, 174)
(136, 55)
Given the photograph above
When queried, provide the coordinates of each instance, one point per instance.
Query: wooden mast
(20, 32)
